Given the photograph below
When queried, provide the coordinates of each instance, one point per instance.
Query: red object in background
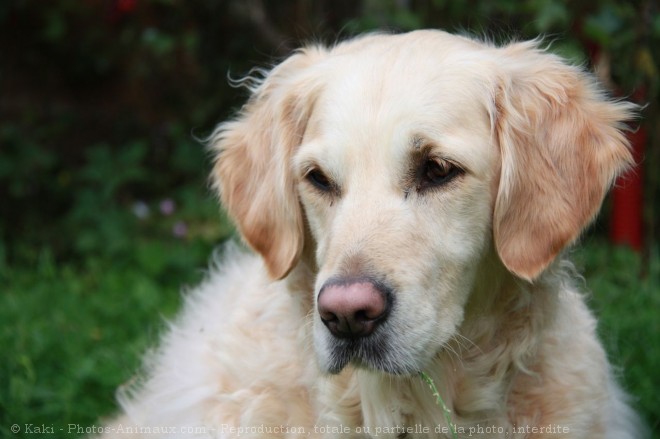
(125, 6)
(627, 199)
(626, 227)
(120, 9)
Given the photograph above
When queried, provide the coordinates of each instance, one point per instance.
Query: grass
(440, 402)
(72, 333)
(627, 306)
(75, 328)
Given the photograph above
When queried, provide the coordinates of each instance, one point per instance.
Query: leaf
(551, 15)
(603, 26)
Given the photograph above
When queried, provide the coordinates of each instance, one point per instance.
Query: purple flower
(167, 206)
(180, 229)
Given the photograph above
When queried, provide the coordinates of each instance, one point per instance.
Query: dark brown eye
(319, 180)
(436, 173)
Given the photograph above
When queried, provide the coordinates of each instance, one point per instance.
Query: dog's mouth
(375, 352)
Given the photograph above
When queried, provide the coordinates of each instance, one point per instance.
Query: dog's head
(404, 162)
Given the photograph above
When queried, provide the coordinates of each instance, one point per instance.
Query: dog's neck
(504, 310)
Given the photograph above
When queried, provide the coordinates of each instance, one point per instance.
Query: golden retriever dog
(408, 198)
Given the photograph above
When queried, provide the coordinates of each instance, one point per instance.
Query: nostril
(352, 309)
(362, 315)
(373, 311)
(327, 315)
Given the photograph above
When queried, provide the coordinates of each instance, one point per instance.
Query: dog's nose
(352, 309)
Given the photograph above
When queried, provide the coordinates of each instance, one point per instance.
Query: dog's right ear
(253, 160)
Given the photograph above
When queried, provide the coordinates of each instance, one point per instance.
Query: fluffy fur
(325, 172)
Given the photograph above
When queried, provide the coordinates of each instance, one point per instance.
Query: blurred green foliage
(102, 101)
(105, 209)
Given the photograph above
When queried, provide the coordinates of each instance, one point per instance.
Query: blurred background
(105, 210)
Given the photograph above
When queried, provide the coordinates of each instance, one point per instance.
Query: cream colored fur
(484, 302)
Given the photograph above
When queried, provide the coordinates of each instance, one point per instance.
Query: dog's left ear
(253, 154)
(561, 145)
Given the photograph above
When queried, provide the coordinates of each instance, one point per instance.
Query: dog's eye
(436, 173)
(319, 180)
